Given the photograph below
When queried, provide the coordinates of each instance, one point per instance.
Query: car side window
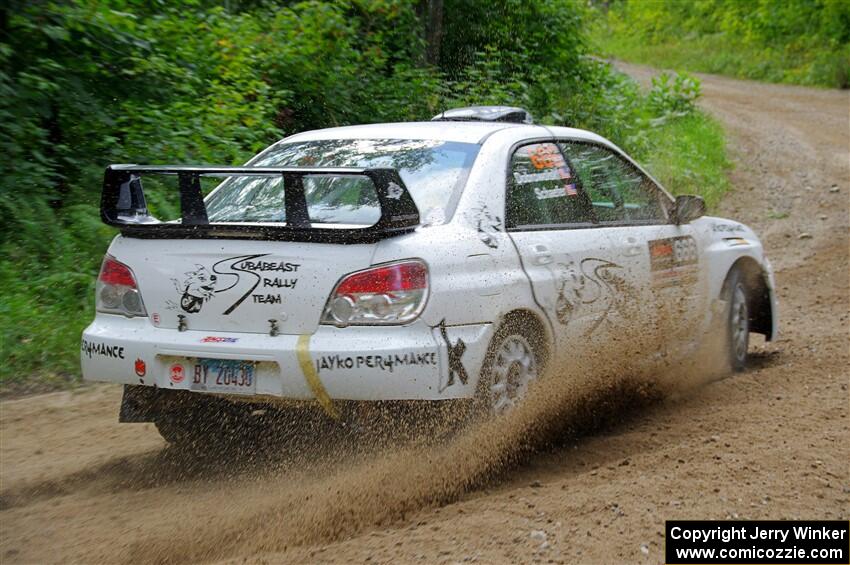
(619, 193)
(542, 189)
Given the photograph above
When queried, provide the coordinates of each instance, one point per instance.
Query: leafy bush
(674, 94)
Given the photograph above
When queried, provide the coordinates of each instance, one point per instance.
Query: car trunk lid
(238, 286)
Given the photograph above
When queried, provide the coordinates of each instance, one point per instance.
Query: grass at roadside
(718, 54)
(794, 41)
(688, 156)
(40, 325)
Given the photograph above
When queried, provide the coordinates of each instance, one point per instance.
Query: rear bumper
(356, 363)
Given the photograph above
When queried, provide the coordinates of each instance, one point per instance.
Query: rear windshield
(433, 171)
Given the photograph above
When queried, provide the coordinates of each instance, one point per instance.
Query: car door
(660, 260)
(568, 261)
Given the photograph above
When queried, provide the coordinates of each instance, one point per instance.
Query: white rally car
(432, 261)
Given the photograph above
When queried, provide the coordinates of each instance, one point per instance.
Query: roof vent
(509, 114)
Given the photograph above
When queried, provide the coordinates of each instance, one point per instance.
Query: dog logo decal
(196, 289)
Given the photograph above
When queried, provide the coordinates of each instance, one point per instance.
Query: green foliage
(84, 84)
(533, 38)
(664, 130)
(793, 41)
(688, 156)
(674, 95)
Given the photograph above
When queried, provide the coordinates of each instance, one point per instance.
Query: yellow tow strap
(302, 349)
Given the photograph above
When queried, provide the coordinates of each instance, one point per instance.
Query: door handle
(541, 254)
(631, 246)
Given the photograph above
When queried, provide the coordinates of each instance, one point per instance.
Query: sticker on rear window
(547, 156)
(557, 192)
(562, 173)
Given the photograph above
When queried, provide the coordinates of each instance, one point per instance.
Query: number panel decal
(673, 261)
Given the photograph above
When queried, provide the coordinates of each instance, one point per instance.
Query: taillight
(117, 291)
(389, 294)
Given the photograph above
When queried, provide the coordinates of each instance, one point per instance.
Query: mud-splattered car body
(552, 227)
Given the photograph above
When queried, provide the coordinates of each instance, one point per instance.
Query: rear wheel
(200, 423)
(513, 362)
(193, 430)
(179, 433)
(737, 320)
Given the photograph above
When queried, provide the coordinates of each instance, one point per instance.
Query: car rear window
(434, 172)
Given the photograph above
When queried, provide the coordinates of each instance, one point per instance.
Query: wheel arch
(759, 294)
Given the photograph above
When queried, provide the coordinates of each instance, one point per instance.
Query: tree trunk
(433, 30)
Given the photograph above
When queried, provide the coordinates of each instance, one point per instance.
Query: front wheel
(513, 362)
(737, 321)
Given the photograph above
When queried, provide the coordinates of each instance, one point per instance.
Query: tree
(432, 11)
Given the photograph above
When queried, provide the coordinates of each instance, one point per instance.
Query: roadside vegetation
(84, 84)
(789, 41)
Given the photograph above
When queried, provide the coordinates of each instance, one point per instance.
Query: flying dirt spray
(357, 488)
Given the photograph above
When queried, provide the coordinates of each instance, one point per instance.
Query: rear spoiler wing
(123, 205)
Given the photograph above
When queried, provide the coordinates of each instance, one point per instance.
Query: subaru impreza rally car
(431, 261)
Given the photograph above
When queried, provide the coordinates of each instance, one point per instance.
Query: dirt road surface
(772, 442)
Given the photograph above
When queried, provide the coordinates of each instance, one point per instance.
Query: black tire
(505, 377)
(200, 423)
(189, 431)
(737, 319)
(176, 433)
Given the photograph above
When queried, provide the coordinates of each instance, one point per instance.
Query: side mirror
(687, 209)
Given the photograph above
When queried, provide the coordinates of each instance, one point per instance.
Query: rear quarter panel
(476, 274)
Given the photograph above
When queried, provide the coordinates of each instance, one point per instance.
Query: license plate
(223, 375)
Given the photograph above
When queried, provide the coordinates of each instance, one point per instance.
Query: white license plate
(222, 375)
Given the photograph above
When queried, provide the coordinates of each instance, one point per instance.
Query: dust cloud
(334, 486)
